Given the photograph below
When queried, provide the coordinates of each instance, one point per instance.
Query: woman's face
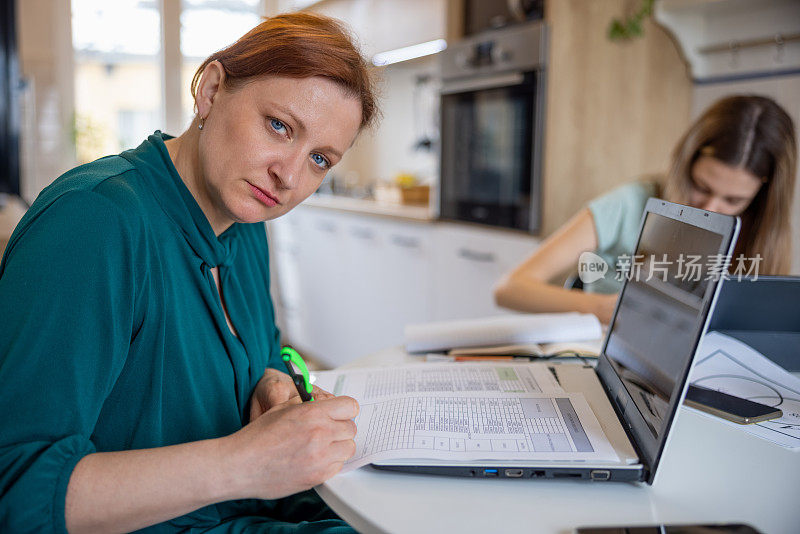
(267, 145)
(719, 187)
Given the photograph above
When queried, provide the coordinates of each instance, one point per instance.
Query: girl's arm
(527, 287)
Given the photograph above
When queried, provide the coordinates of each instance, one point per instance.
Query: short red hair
(298, 45)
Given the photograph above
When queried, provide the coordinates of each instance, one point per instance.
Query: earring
(202, 122)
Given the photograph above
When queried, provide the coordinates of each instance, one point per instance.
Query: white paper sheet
(374, 383)
(467, 412)
(502, 330)
(728, 365)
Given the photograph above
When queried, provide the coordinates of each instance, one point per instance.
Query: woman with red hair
(138, 347)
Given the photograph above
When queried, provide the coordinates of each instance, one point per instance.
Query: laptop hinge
(624, 423)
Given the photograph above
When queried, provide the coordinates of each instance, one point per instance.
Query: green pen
(301, 381)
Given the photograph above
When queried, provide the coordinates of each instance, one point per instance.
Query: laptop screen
(670, 282)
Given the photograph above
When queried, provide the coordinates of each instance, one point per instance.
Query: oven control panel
(519, 48)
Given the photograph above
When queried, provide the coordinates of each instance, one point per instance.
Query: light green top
(617, 216)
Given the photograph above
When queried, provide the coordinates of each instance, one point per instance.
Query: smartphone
(728, 407)
(729, 528)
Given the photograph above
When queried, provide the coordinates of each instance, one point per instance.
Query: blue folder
(763, 313)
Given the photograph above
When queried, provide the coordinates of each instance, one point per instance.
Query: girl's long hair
(754, 133)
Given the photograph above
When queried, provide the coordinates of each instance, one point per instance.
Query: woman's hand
(292, 447)
(275, 388)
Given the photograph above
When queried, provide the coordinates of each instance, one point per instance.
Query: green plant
(630, 27)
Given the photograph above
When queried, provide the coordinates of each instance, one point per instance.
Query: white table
(710, 473)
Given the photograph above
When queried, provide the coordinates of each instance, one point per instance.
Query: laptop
(641, 375)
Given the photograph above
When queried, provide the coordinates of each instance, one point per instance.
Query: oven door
(491, 146)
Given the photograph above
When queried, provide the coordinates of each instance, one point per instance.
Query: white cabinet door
(469, 262)
(363, 250)
(323, 277)
(285, 251)
(385, 284)
(386, 25)
(403, 293)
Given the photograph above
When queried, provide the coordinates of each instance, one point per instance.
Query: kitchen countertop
(370, 207)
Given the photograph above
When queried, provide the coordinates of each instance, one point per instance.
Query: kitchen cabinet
(286, 289)
(346, 284)
(376, 22)
(323, 277)
(469, 262)
(387, 280)
(732, 40)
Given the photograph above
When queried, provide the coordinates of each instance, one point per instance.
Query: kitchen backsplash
(409, 105)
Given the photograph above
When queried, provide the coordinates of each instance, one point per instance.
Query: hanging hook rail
(777, 40)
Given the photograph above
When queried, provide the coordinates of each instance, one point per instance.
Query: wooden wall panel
(614, 110)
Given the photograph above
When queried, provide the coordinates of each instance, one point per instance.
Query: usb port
(600, 474)
(490, 472)
(513, 473)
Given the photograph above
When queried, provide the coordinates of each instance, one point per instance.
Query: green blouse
(113, 335)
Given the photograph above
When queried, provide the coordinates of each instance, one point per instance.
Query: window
(229, 19)
(119, 88)
(117, 75)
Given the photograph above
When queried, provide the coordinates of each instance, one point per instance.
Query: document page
(467, 412)
(728, 365)
(380, 382)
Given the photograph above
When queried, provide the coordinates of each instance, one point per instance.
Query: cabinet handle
(472, 255)
(362, 233)
(406, 242)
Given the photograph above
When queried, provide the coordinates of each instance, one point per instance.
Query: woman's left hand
(274, 388)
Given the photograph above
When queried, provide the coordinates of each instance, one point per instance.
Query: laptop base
(574, 378)
(611, 474)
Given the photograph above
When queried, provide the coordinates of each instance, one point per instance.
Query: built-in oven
(492, 121)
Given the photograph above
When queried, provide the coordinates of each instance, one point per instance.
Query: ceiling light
(409, 52)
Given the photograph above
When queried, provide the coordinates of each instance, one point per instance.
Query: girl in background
(738, 158)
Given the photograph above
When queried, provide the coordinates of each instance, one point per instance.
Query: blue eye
(277, 125)
(320, 161)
